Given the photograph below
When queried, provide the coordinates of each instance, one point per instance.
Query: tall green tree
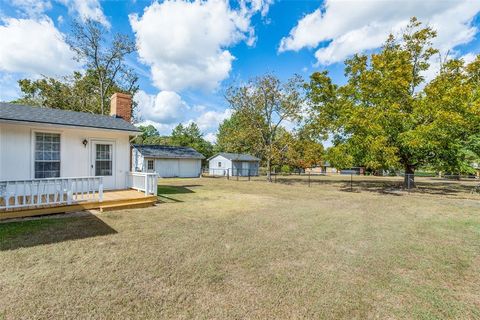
(235, 136)
(89, 90)
(105, 59)
(191, 136)
(77, 92)
(386, 115)
(264, 104)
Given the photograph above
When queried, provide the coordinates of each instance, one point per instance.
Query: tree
(77, 92)
(150, 135)
(105, 61)
(386, 116)
(296, 150)
(191, 136)
(235, 136)
(263, 104)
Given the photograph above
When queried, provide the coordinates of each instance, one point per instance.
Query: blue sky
(189, 52)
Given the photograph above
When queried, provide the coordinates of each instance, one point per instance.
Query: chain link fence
(448, 185)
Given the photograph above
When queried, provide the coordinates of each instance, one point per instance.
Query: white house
(49, 143)
(233, 164)
(51, 157)
(167, 161)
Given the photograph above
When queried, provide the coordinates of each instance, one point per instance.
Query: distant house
(323, 168)
(167, 161)
(233, 164)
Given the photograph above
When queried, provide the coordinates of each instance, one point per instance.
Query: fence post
(309, 179)
(228, 173)
(248, 174)
(351, 182)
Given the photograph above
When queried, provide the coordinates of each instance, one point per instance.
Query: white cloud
(343, 28)
(32, 8)
(469, 57)
(34, 47)
(211, 137)
(163, 129)
(166, 107)
(87, 9)
(9, 88)
(185, 42)
(211, 119)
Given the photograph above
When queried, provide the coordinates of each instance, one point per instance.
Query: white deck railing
(142, 181)
(52, 191)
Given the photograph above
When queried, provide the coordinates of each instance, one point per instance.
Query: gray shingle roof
(168, 152)
(236, 156)
(15, 112)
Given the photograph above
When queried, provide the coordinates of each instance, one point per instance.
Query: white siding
(219, 164)
(234, 167)
(17, 151)
(137, 161)
(183, 168)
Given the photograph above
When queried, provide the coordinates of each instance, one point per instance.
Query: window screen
(47, 155)
(103, 160)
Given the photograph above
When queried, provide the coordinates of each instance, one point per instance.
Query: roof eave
(52, 124)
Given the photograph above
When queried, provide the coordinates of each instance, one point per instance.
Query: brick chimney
(121, 106)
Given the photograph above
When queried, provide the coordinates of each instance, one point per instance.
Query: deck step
(127, 205)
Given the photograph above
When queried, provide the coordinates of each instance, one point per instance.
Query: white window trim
(153, 164)
(33, 132)
(91, 170)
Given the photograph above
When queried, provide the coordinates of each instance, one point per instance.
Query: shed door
(189, 168)
(167, 168)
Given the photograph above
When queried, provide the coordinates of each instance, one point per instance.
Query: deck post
(100, 190)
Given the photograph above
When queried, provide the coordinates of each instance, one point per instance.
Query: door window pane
(103, 160)
(47, 155)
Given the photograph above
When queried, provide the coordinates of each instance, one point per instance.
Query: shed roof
(236, 156)
(168, 152)
(29, 114)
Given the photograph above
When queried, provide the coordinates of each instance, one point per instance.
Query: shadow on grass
(390, 187)
(164, 192)
(30, 233)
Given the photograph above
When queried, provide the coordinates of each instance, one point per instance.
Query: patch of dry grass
(218, 249)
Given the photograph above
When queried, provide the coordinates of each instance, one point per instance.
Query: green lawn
(218, 249)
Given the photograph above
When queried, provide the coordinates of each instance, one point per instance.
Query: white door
(103, 162)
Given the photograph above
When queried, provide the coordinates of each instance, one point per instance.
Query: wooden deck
(112, 200)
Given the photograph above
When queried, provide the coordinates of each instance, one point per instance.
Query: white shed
(233, 164)
(167, 161)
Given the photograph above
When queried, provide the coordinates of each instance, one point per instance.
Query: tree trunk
(409, 180)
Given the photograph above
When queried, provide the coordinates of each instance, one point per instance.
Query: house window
(149, 165)
(219, 164)
(103, 160)
(47, 155)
